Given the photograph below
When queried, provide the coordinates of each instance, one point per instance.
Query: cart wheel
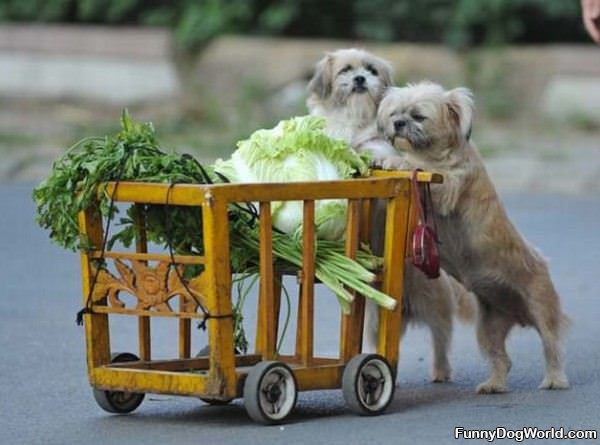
(270, 392)
(368, 384)
(119, 402)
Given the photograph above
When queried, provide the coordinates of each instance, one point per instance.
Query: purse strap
(417, 196)
(421, 203)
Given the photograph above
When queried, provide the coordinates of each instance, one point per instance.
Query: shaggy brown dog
(346, 89)
(479, 245)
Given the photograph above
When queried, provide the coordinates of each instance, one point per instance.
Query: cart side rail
(382, 185)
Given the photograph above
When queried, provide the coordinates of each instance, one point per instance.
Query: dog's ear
(386, 72)
(382, 112)
(320, 84)
(461, 107)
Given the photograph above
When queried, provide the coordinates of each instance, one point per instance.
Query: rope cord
(87, 309)
(249, 209)
(287, 315)
(207, 314)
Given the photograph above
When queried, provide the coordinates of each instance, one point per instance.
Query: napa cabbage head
(297, 150)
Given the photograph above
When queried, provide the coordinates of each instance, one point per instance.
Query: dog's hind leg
(492, 330)
(441, 334)
(544, 307)
(432, 303)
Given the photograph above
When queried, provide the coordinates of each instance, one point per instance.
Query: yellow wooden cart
(267, 381)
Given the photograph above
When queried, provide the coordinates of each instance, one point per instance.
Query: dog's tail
(465, 302)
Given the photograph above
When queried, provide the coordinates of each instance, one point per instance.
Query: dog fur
(351, 115)
(480, 247)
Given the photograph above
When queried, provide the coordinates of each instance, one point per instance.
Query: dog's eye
(372, 69)
(345, 69)
(418, 117)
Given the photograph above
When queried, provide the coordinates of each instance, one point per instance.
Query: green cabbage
(297, 150)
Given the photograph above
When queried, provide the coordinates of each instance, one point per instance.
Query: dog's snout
(399, 124)
(359, 80)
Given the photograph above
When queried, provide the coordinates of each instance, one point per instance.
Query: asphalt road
(45, 397)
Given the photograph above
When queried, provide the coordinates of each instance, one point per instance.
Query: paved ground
(45, 398)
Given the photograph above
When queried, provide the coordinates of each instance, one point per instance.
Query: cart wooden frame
(221, 374)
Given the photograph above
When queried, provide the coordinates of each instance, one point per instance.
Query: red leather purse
(425, 255)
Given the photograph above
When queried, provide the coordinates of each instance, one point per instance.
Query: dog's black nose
(399, 124)
(359, 80)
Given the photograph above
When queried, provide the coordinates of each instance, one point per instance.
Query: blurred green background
(210, 72)
(460, 23)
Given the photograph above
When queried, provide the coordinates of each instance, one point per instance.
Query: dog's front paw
(394, 163)
(377, 162)
(491, 386)
(555, 381)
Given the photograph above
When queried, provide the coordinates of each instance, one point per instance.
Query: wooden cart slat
(145, 313)
(152, 381)
(141, 246)
(266, 337)
(142, 256)
(175, 365)
(305, 324)
(352, 324)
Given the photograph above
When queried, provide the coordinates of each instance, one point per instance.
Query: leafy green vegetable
(134, 154)
(297, 150)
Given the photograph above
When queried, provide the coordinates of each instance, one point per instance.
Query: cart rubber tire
(270, 392)
(119, 402)
(368, 376)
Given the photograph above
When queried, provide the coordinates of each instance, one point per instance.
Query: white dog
(346, 89)
(480, 247)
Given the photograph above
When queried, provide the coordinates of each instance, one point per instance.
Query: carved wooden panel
(153, 287)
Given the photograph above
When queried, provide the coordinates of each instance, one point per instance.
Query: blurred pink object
(591, 18)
